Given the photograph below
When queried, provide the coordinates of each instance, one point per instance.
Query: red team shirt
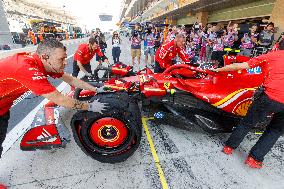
(167, 52)
(84, 55)
(20, 73)
(274, 81)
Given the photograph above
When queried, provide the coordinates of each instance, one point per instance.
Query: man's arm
(182, 54)
(81, 67)
(65, 101)
(229, 24)
(102, 55)
(233, 67)
(73, 81)
(252, 63)
(61, 100)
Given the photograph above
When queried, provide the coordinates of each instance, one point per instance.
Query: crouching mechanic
(23, 72)
(168, 51)
(84, 55)
(266, 102)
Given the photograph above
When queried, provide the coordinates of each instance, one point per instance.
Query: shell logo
(242, 107)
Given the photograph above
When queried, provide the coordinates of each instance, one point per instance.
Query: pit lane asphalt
(187, 158)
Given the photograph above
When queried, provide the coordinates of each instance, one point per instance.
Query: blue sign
(256, 70)
(159, 115)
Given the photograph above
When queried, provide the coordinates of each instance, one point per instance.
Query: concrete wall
(250, 10)
(278, 16)
(186, 20)
(5, 35)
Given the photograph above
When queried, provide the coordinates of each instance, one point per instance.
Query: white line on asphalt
(21, 127)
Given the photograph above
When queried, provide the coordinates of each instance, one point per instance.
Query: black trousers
(158, 68)
(261, 107)
(76, 68)
(3, 129)
(116, 54)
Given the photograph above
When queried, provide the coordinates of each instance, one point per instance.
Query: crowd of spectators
(207, 43)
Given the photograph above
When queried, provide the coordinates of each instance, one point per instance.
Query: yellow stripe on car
(231, 95)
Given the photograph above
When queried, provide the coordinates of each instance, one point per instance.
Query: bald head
(180, 40)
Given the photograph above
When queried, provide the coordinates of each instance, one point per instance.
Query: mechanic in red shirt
(84, 55)
(23, 72)
(267, 101)
(168, 51)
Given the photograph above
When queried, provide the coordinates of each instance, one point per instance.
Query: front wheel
(113, 136)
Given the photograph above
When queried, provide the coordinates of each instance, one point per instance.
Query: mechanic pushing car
(84, 55)
(267, 101)
(23, 72)
(168, 51)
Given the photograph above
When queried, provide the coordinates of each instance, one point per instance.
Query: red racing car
(216, 102)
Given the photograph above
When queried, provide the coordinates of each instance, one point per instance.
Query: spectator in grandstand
(195, 36)
(150, 45)
(189, 49)
(210, 42)
(231, 36)
(183, 31)
(116, 42)
(249, 41)
(218, 49)
(99, 36)
(172, 33)
(32, 36)
(136, 44)
(203, 44)
(157, 37)
(66, 35)
(266, 37)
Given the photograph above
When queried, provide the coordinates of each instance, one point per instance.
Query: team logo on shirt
(38, 75)
(33, 69)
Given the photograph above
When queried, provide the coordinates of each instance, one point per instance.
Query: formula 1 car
(111, 71)
(216, 102)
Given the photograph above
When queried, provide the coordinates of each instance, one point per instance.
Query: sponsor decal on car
(167, 85)
(256, 70)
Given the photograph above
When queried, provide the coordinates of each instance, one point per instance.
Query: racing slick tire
(113, 136)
